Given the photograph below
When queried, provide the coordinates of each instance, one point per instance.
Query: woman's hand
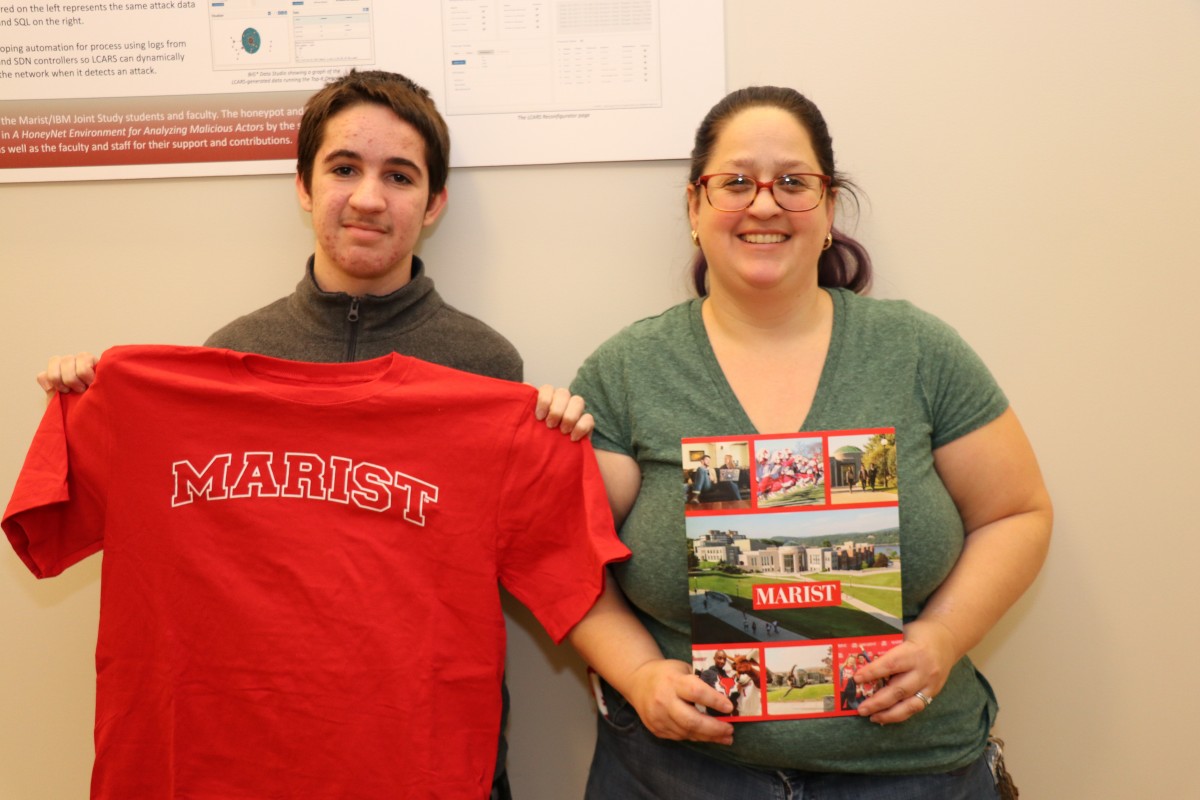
(664, 693)
(921, 663)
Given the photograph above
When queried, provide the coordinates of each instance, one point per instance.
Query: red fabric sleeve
(55, 517)
(557, 531)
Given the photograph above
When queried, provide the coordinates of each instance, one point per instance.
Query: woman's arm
(993, 477)
(612, 640)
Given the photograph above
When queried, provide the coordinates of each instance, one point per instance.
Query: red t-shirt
(299, 587)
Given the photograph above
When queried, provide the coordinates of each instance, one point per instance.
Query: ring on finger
(928, 701)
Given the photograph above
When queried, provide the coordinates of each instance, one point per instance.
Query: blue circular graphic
(251, 40)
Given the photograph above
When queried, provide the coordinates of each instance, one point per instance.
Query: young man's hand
(68, 374)
(563, 410)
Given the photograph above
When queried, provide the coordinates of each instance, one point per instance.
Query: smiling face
(762, 247)
(369, 201)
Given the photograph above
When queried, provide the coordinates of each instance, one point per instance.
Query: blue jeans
(630, 763)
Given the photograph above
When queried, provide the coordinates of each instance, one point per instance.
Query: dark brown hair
(406, 99)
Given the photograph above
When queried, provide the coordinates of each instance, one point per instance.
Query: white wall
(1033, 179)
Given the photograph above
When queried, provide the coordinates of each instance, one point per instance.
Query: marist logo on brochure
(797, 595)
(794, 567)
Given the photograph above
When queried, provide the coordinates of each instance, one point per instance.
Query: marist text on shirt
(334, 479)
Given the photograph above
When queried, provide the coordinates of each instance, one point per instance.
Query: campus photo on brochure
(794, 564)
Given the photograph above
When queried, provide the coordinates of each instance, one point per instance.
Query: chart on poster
(172, 88)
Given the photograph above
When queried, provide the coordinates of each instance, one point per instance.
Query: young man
(372, 166)
(373, 157)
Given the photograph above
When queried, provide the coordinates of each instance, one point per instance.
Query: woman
(849, 692)
(780, 338)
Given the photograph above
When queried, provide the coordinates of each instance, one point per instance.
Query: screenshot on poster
(251, 34)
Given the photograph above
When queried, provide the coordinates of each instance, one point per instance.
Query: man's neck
(332, 279)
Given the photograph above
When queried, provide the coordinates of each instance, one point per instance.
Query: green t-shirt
(889, 365)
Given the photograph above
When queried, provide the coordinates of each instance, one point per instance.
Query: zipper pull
(353, 315)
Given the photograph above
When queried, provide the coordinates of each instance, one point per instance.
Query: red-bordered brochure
(794, 560)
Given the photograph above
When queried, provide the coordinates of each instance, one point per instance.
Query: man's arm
(557, 407)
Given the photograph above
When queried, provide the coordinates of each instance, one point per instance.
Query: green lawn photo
(827, 622)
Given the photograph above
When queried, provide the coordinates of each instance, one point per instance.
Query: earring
(695, 238)
(828, 241)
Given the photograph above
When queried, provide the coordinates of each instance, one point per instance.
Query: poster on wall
(172, 88)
